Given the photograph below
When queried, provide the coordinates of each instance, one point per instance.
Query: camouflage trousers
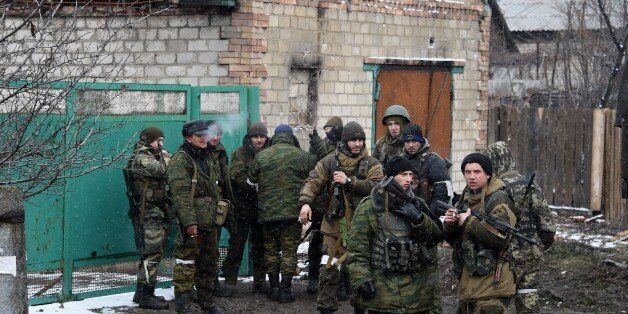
(246, 228)
(151, 238)
(315, 249)
(330, 274)
(490, 306)
(281, 240)
(527, 297)
(196, 264)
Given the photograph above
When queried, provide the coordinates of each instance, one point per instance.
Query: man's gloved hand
(409, 212)
(314, 134)
(367, 290)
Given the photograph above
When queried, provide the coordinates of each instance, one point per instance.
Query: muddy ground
(574, 279)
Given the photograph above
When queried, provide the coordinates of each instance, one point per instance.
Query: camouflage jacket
(363, 178)
(245, 195)
(279, 171)
(395, 292)
(386, 147)
(321, 147)
(535, 217)
(200, 208)
(148, 167)
(493, 201)
(428, 169)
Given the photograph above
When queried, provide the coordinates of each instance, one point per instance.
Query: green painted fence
(80, 239)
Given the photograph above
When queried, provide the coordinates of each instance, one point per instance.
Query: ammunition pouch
(205, 208)
(400, 256)
(155, 196)
(479, 261)
(222, 209)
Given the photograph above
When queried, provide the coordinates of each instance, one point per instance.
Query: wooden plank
(514, 140)
(587, 120)
(493, 124)
(607, 183)
(568, 181)
(550, 154)
(561, 146)
(535, 125)
(523, 137)
(597, 160)
(544, 168)
(575, 138)
(621, 213)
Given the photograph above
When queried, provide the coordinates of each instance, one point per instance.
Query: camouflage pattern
(280, 172)
(477, 235)
(281, 240)
(387, 147)
(218, 164)
(148, 167)
(535, 222)
(396, 292)
(245, 212)
(196, 265)
(319, 180)
(196, 259)
(321, 147)
(431, 168)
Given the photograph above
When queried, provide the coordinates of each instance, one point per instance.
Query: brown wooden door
(426, 94)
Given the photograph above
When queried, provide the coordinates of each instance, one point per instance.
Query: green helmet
(396, 110)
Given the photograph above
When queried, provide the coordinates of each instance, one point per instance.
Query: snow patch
(580, 209)
(594, 240)
(303, 247)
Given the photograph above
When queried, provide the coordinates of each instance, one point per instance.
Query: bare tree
(45, 137)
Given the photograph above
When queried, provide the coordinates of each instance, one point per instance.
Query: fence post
(597, 160)
(13, 289)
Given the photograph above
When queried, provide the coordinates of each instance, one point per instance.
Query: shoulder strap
(194, 176)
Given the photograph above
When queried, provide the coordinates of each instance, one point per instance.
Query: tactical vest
(361, 173)
(393, 249)
(147, 189)
(479, 260)
(388, 151)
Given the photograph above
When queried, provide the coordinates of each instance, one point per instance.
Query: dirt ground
(574, 279)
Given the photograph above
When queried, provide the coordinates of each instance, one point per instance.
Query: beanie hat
(258, 128)
(151, 134)
(397, 165)
(283, 128)
(413, 132)
(481, 159)
(334, 121)
(352, 131)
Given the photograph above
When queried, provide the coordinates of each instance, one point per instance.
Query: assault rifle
(393, 187)
(492, 221)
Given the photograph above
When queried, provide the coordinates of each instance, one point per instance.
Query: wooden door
(426, 94)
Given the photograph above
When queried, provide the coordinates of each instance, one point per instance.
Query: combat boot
(341, 292)
(286, 295)
(260, 285)
(149, 301)
(138, 294)
(273, 291)
(183, 302)
(312, 277)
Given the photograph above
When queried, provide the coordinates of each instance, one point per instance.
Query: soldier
(151, 220)
(481, 252)
(395, 119)
(321, 148)
(199, 208)
(535, 222)
(431, 177)
(384, 227)
(279, 172)
(220, 171)
(246, 212)
(348, 175)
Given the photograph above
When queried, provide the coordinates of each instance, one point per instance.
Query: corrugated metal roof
(549, 15)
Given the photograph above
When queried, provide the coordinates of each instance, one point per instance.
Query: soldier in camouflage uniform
(384, 227)
(348, 175)
(535, 222)
(152, 219)
(481, 253)
(395, 119)
(279, 172)
(320, 149)
(246, 212)
(196, 195)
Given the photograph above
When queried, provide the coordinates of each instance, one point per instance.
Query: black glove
(409, 212)
(367, 290)
(314, 134)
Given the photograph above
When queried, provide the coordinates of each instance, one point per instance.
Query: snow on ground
(570, 232)
(576, 209)
(105, 303)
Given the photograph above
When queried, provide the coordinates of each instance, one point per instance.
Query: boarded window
(40, 101)
(116, 102)
(303, 96)
(213, 102)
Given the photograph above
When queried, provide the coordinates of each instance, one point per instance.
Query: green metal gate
(80, 240)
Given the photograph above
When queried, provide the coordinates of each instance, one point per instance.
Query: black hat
(352, 131)
(397, 165)
(334, 121)
(481, 159)
(258, 128)
(198, 127)
(151, 134)
(413, 132)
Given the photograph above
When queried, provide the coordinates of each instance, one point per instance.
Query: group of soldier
(374, 221)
